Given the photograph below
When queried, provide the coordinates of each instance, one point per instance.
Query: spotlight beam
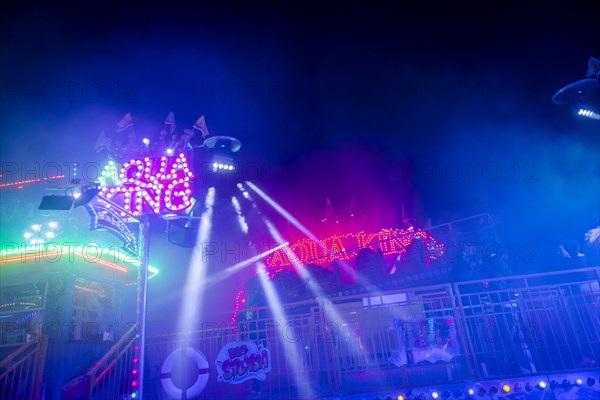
(292, 355)
(281, 211)
(240, 216)
(296, 263)
(193, 291)
(303, 272)
(362, 280)
(229, 271)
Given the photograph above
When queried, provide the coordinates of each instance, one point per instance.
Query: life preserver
(167, 368)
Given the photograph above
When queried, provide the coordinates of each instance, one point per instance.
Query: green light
(120, 257)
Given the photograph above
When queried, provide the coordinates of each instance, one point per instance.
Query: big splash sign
(240, 361)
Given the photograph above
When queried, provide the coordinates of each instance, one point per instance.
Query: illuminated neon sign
(240, 361)
(160, 184)
(346, 247)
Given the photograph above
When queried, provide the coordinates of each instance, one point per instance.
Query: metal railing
(111, 376)
(531, 324)
(513, 326)
(21, 373)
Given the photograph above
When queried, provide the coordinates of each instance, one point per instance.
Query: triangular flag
(101, 142)
(201, 126)
(329, 210)
(593, 70)
(170, 119)
(125, 122)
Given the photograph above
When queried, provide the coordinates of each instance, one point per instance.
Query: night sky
(448, 112)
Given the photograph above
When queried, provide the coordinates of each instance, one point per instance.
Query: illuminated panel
(52, 253)
(346, 247)
(26, 181)
(157, 184)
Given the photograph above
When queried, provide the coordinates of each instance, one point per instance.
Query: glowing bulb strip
(26, 181)
(345, 247)
(54, 252)
(240, 300)
(159, 184)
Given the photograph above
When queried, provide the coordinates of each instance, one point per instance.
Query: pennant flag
(170, 119)
(101, 142)
(593, 70)
(171, 122)
(201, 126)
(329, 210)
(125, 123)
(427, 224)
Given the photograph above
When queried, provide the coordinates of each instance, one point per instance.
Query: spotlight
(184, 234)
(471, 391)
(223, 149)
(435, 395)
(584, 112)
(542, 384)
(146, 141)
(528, 387)
(566, 383)
(54, 202)
(506, 388)
(591, 381)
(53, 224)
(400, 397)
(75, 195)
(482, 391)
(169, 151)
(494, 389)
(85, 196)
(578, 381)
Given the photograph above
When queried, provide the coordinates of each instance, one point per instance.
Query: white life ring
(167, 368)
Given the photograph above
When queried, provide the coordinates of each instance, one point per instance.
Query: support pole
(144, 240)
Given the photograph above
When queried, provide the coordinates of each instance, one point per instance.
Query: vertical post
(144, 240)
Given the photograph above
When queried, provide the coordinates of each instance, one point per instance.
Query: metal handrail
(28, 359)
(105, 365)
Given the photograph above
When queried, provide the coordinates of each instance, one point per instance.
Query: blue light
(588, 113)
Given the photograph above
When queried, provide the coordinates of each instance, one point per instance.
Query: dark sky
(444, 109)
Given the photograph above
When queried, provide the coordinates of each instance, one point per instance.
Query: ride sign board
(240, 361)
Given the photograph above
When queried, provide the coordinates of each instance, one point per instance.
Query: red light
(134, 383)
(134, 372)
(135, 360)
